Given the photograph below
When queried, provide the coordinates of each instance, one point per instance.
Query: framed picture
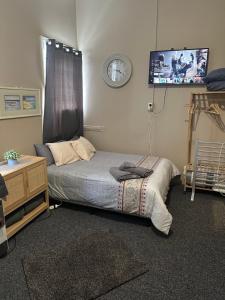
(19, 102)
(12, 102)
(29, 102)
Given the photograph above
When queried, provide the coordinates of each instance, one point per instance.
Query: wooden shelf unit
(24, 181)
(199, 102)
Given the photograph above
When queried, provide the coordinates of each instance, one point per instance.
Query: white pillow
(63, 153)
(87, 144)
(82, 149)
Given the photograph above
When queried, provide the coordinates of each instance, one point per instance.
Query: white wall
(128, 27)
(21, 24)
(105, 27)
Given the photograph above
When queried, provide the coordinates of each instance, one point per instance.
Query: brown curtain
(63, 112)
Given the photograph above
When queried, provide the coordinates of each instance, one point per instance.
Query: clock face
(117, 70)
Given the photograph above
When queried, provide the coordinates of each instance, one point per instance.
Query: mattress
(90, 183)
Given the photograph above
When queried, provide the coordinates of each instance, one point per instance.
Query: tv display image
(186, 66)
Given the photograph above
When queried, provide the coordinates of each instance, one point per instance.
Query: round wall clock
(117, 70)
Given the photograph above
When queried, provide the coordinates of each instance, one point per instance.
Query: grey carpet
(82, 269)
(189, 265)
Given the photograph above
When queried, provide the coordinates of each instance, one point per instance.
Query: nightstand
(26, 183)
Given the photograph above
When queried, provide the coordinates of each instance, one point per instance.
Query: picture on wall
(29, 102)
(12, 102)
(19, 102)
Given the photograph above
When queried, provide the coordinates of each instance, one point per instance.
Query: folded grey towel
(130, 167)
(122, 175)
(3, 188)
(125, 165)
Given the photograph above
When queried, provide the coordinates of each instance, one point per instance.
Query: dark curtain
(63, 112)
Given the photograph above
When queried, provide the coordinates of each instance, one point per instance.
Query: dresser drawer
(36, 179)
(17, 191)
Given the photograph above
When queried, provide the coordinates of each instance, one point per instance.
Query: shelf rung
(211, 156)
(211, 160)
(210, 151)
(207, 180)
(204, 184)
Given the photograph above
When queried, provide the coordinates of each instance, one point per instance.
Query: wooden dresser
(25, 181)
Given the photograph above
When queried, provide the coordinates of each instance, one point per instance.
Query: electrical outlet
(150, 106)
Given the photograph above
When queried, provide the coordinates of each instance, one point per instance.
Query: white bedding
(90, 183)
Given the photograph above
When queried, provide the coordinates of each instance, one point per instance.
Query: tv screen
(187, 66)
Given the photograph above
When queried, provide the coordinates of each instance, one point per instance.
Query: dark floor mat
(82, 269)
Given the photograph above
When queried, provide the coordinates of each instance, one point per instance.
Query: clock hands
(118, 71)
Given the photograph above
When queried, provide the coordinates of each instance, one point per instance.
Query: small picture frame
(19, 102)
(12, 102)
(29, 102)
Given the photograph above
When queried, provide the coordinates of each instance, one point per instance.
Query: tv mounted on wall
(178, 67)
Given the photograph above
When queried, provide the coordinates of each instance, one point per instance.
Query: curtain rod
(66, 45)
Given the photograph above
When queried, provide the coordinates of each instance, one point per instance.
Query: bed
(90, 183)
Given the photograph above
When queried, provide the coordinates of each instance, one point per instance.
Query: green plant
(11, 154)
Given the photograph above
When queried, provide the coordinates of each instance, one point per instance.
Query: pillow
(44, 151)
(216, 86)
(63, 153)
(82, 150)
(215, 75)
(87, 144)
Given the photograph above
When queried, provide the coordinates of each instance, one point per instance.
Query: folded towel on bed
(130, 167)
(126, 165)
(120, 175)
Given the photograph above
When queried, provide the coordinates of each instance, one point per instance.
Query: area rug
(82, 269)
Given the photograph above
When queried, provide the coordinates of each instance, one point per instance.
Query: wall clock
(117, 70)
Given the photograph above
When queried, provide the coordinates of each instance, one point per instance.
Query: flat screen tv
(178, 67)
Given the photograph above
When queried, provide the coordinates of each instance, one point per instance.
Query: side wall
(21, 24)
(129, 27)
